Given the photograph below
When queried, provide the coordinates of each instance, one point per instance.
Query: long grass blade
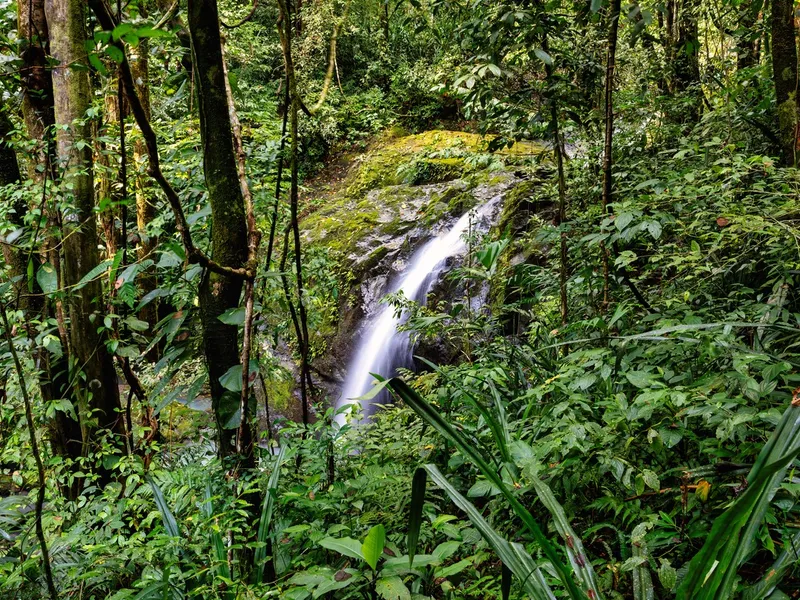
(170, 524)
(415, 512)
(266, 517)
(513, 556)
(709, 569)
(220, 552)
(575, 551)
(432, 416)
(505, 582)
(768, 584)
(642, 580)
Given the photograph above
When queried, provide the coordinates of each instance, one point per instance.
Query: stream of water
(382, 349)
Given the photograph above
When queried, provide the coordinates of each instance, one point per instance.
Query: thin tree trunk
(48, 571)
(784, 72)
(746, 51)
(608, 181)
(558, 149)
(95, 387)
(326, 84)
(145, 199)
(16, 259)
(285, 32)
(107, 196)
(218, 292)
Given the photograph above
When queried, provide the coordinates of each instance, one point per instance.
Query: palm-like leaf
(432, 416)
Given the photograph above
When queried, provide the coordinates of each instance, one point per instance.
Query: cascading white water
(382, 349)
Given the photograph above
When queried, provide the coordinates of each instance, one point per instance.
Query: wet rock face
(393, 200)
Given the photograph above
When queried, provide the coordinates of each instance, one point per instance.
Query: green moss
(515, 200)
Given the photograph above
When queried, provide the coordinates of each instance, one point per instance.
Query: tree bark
(15, 258)
(37, 82)
(301, 325)
(95, 387)
(218, 292)
(746, 48)
(784, 72)
(38, 114)
(145, 199)
(687, 65)
(608, 180)
(105, 188)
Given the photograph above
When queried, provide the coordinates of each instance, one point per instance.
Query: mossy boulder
(393, 197)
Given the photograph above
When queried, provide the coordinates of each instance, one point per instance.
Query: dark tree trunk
(683, 58)
(746, 48)
(37, 82)
(9, 175)
(145, 199)
(218, 292)
(687, 65)
(608, 181)
(784, 70)
(95, 387)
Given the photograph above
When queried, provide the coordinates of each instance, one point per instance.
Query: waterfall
(382, 349)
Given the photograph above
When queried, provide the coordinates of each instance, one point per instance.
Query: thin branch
(326, 84)
(48, 571)
(243, 21)
(193, 254)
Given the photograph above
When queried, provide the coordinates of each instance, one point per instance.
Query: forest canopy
(399, 299)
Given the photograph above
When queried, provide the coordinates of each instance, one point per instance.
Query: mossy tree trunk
(784, 72)
(108, 196)
(95, 387)
(218, 292)
(39, 117)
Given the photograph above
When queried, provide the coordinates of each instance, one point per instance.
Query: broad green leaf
(453, 569)
(266, 516)
(233, 316)
(152, 32)
(93, 274)
(47, 278)
(136, 324)
(121, 30)
(446, 549)
(115, 53)
(345, 546)
(398, 565)
(232, 379)
(543, 56)
(373, 545)
(392, 588)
